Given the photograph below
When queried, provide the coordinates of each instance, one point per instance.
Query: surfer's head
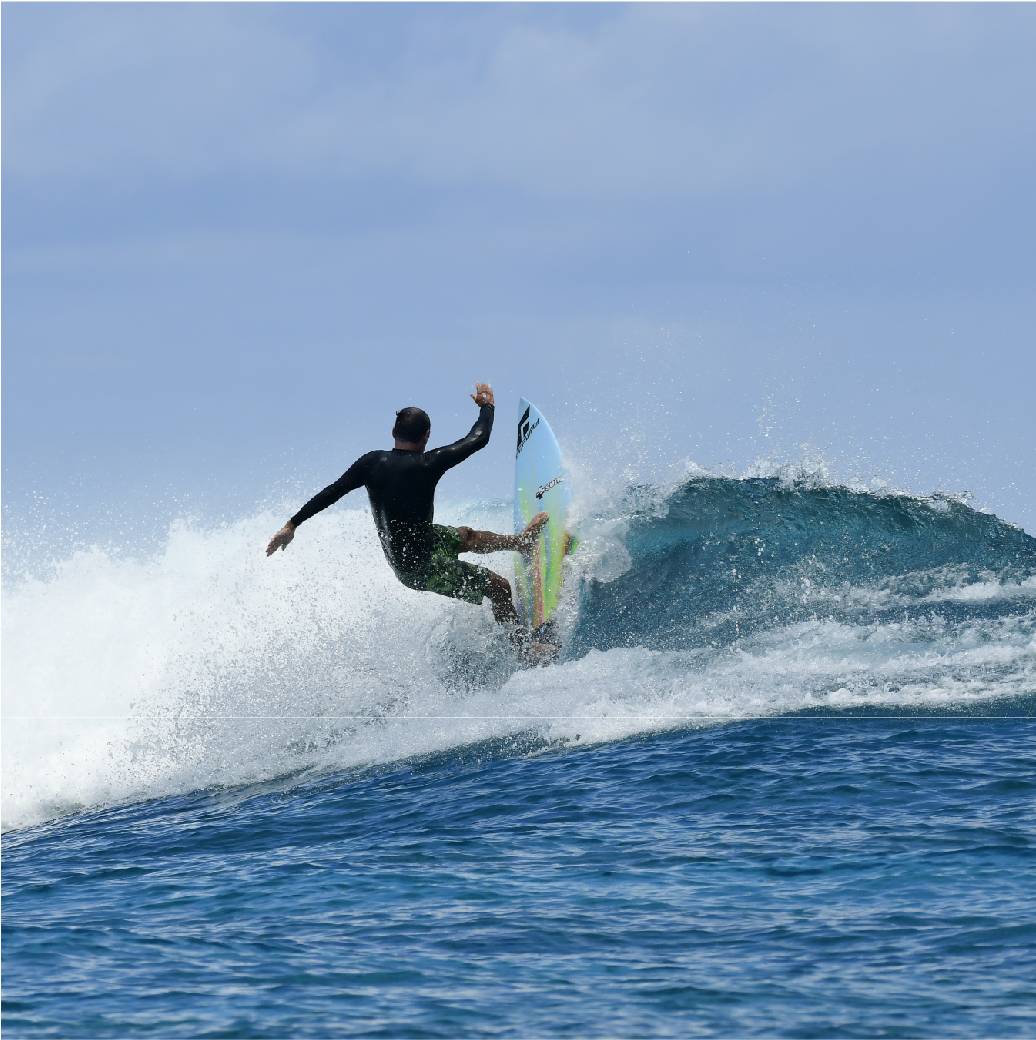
(412, 426)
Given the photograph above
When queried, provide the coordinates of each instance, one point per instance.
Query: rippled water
(797, 876)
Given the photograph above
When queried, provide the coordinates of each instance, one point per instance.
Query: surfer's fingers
(278, 541)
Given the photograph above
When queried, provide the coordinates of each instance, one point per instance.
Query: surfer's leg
(499, 594)
(489, 542)
(459, 579)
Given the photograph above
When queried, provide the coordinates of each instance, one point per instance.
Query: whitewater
(206, 664)
(780, 781)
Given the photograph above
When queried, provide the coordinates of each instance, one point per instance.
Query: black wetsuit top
(401, 486)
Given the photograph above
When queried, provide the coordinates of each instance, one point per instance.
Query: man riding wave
(401, 486)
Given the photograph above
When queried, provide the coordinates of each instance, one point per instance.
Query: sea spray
(207, 664)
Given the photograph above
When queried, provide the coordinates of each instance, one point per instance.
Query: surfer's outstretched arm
(354, 477)
(475, 439)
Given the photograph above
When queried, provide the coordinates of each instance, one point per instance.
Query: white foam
(209, 664)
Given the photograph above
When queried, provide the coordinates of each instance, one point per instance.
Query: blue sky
(237, 237)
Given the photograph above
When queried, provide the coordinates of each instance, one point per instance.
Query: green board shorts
(447, 575)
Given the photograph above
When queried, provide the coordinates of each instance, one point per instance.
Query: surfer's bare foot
(527, 539)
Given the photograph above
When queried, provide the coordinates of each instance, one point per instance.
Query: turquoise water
(794, 794)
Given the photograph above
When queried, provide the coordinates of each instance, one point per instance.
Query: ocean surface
(782, 781)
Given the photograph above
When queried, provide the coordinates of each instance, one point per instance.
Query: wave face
(206, 665)
(720, 559)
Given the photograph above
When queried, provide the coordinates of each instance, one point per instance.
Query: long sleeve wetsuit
(401, 487)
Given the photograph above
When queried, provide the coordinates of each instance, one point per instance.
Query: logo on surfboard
(525, 429)
(546, 487)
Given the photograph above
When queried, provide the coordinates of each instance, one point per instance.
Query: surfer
(401, 486)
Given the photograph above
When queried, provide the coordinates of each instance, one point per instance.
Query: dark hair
(411, 424)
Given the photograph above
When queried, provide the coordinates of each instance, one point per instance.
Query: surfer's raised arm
(475, 439)
(354, 477)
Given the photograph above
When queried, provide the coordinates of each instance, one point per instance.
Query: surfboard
(540, 485)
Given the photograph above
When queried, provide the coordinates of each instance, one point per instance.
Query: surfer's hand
(281, 539)
(483, 394)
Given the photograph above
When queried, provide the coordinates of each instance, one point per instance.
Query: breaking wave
(205, 664)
